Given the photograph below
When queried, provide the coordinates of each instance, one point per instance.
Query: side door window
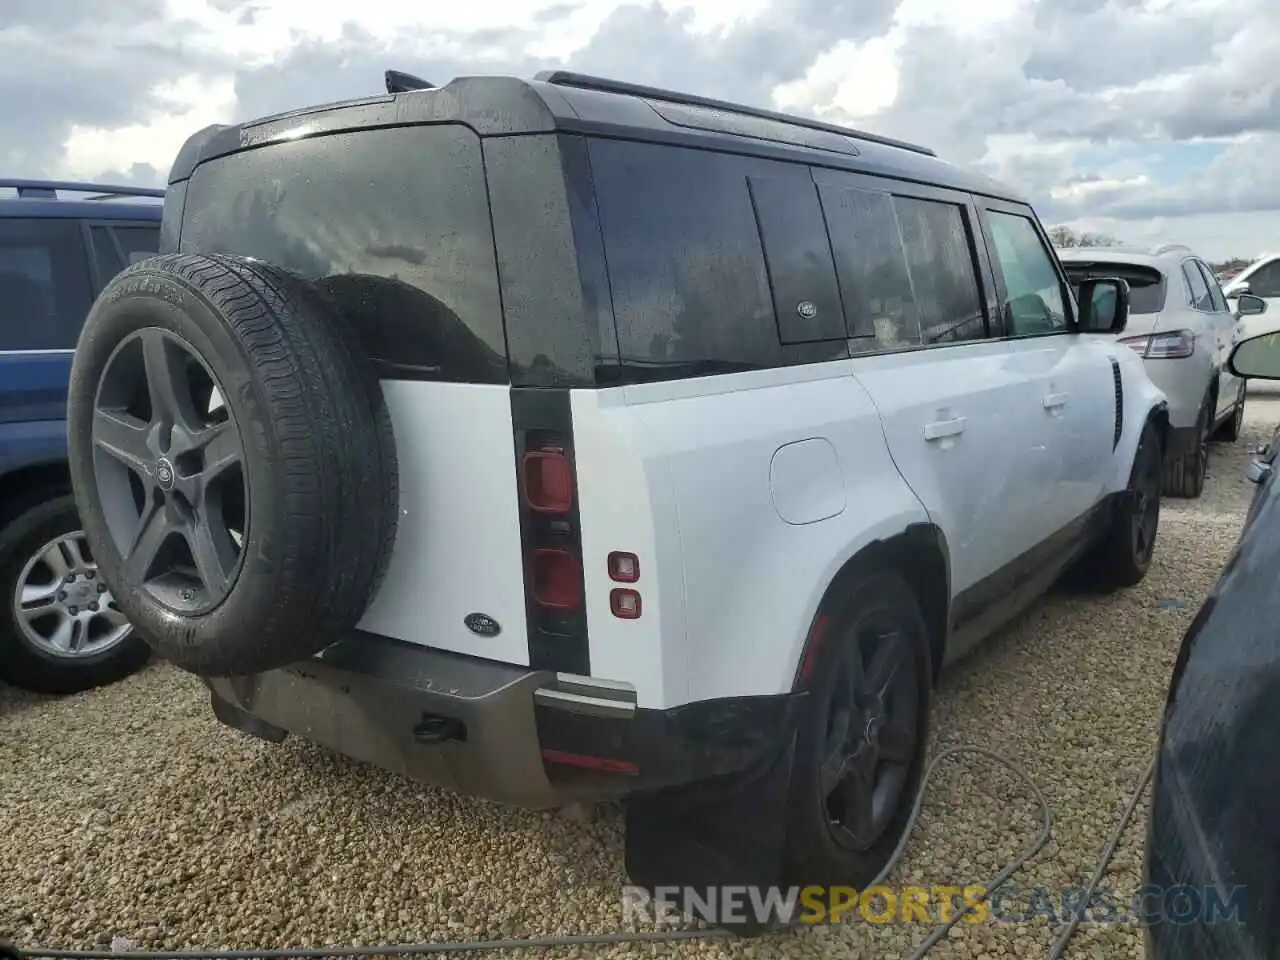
(1217, 302)
(45, 292)
(905, 266)
(1034, 300)
(1197, 289)
(939, 257)
(116, 246)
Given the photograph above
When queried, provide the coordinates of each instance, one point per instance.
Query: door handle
(1052, 401)
(939, 429)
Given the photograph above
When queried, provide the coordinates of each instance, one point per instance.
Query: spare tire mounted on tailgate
(232, 460)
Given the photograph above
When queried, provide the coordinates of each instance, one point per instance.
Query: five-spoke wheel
(169, 467)
(859, 753)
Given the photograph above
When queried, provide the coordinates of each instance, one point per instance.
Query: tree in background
(1064, 237)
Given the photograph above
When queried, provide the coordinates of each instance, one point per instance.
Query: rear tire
(821, 848)
(1184, 476)
(1123, 557)
(29, 658)
(240, 535)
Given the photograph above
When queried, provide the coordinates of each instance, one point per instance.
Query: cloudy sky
(1151, 120)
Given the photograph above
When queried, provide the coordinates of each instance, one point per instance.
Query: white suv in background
(1182, 326)
(1261, 279)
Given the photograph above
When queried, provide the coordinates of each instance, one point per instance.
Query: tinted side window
(1199, 290)
(116, 246)
(1265, 281)
(871, 263)
(691, 293)
(45, 292)
(1033, 290)
(394, 223)
(106, 255)
(137, 242)
(905, 267)
(940, 261)
(1217, 302)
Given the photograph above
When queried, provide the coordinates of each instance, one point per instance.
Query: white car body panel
(457, 549)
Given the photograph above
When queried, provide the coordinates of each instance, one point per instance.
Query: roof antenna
(400, 82)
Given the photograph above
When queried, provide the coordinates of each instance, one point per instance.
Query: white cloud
(192, 103)
(1044, 94)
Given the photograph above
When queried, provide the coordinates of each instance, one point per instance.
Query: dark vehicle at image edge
(60, 243)
(718, 433)
(1213, 834)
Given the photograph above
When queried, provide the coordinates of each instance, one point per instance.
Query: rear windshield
(1146, 284)
(410, 257)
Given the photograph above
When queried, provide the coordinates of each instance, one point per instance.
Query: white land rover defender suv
(568, 439)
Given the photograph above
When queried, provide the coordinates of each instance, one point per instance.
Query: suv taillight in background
(1163, 346)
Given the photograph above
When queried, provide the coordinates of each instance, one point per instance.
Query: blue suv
(60, 629)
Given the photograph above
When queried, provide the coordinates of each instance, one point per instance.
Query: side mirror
(1247, 305)
(1104, 305)
(1257, 358)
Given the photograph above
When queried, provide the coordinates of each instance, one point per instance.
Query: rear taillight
(550, 533)
(557, 579)
(546, 484)
(1177, 345)
(548, 481)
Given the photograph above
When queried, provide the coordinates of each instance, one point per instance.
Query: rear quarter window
(393, 223)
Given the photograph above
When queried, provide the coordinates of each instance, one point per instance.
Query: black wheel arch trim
(921, 554)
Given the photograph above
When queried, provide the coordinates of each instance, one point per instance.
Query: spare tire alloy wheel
(168, 462)
(233, 461)
(64, 609)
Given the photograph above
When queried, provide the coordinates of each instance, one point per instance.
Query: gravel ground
(129, 814)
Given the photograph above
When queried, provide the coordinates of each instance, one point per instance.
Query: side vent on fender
(1115, 375)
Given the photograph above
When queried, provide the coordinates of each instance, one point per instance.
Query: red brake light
(557, 579)
(548, 481)
(625, 604)
(624, 567)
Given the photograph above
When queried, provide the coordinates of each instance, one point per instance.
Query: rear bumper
(506, 733)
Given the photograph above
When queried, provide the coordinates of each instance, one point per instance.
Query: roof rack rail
(1169, 248)
(48, 189)
(582, 81)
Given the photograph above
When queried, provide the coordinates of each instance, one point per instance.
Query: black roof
(575, 103)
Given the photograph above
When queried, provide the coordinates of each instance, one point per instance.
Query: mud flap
(701, 843)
